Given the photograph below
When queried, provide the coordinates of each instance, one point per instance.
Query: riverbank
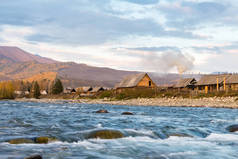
(218, 102)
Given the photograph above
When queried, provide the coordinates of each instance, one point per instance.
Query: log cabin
(211, 83)
(185, 84)
(141, 80)
(232, 82)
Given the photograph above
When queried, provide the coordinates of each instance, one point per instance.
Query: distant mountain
(18, 64)
(15, 54)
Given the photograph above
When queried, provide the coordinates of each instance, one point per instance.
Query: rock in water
(44, 140)
(127, 113)
(102, 111)
(21, 141)
(36, 140)
(180, 135)
(232, 128)
(105, 134)
(34, 157)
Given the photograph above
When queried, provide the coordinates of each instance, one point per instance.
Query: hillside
(15, 54)
(45, 76)
(18, 64)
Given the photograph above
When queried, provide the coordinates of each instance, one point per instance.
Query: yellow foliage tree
(6, 90)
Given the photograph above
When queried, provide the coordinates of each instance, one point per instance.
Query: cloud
(194, 14)
(140, 29)
(223, 49)
(143, 2)
(155, 49)
(80, 23)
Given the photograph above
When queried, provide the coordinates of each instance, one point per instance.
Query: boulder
(21, 141)
(102, 111)
(179, 135)
(44, 140)
(36, 140)
(232, 128)
(127, 113)
(105, 134)
(34, 157)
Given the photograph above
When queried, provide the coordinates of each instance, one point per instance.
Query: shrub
(106, 94)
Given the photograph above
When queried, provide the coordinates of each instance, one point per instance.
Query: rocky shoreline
(218, 102)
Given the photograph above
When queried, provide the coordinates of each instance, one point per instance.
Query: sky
(144, 35)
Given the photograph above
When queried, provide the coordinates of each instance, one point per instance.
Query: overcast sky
(143, 35)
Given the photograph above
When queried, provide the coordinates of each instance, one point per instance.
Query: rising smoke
(167, 61)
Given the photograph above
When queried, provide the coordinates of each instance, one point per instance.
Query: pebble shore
(218, 102)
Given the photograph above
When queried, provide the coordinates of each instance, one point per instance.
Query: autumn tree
(6, 90)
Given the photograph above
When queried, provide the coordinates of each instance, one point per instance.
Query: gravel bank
(219, 102)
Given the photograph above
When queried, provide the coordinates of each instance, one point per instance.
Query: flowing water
(152, 133)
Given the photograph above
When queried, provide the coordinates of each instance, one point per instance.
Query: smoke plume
(167, 61)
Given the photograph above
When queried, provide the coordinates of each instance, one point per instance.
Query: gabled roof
(185, 82)
(212, 79)
(131, 80)
(97, 89)
(232, 79)
(84, 89)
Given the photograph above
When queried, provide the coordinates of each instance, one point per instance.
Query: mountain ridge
(16, 64)
(20, 65)
(15, 54)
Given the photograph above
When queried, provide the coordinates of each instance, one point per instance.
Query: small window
(149, 83)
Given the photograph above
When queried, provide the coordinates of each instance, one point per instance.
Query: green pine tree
(35, 90)
(57, 87)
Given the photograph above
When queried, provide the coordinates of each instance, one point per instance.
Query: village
(206, 84)
(142, 84)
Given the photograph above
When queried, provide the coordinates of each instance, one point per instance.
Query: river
(153, 132)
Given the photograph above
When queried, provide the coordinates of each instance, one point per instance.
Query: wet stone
(127, 113)
(180, 135)
(102, 111)
(34, 157)
(232, 128)
(44, 140)
(105, 134)
(21, 141)
(36, 140)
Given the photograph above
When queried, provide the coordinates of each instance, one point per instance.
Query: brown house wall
(145, 82)
(213, 88)
(232, 87)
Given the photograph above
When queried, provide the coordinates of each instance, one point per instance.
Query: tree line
(8, 89)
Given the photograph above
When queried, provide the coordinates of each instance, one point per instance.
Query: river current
(153, 132)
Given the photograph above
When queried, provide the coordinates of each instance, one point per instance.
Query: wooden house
(69, 90)
(26, 92)
(211, 83)
(97, 89)
(43, 92)
(231, 83)
(185, 84)
(84, 89)
(135, 81)
(18, 92)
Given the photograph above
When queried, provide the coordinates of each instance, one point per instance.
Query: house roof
(212, 79)
(131, 80)
(84, 88)
(184, 82)
(232, 79)
(97, 89)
